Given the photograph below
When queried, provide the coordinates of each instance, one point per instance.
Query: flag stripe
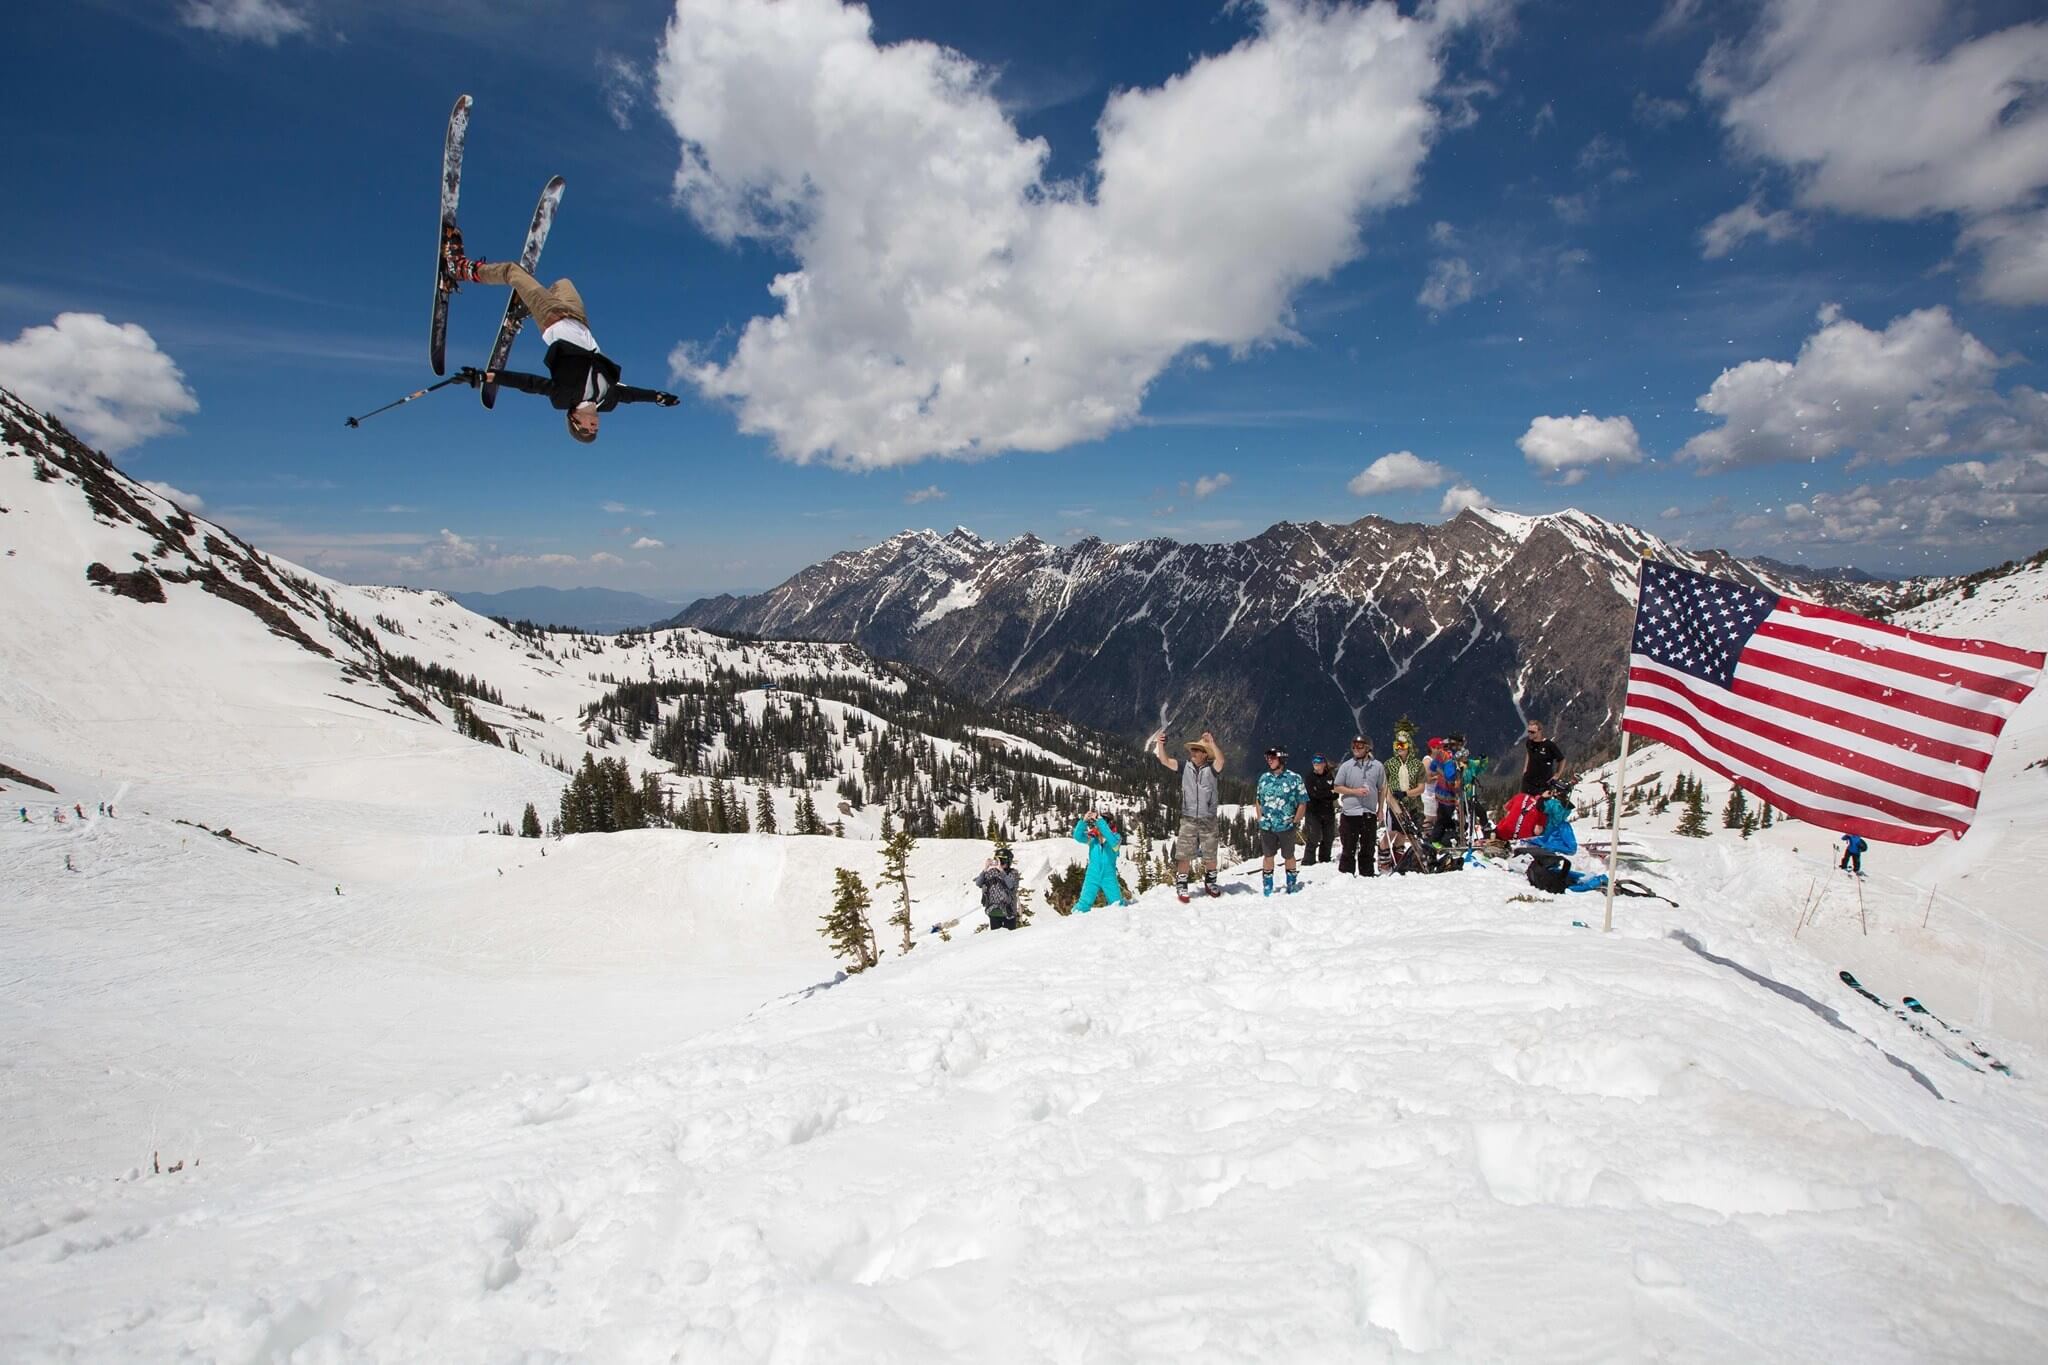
(1756, 671)
(1745, 764)
(2031, 659)
(1791, 805)
(1869, 727)
(1894, 698)
(1874, 657)
(1861, 758)
(1860, 766)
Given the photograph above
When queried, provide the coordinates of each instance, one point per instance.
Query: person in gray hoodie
(998, 883)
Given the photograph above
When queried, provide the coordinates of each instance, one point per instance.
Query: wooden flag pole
(1614, 835)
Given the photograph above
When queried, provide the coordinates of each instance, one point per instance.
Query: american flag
(1846, 723)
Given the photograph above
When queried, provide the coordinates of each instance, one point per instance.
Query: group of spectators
(1344, 808)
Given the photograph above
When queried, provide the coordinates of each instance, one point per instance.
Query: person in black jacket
(1319, 826)
(581, 380)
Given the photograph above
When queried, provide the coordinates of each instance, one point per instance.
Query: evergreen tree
(1693, 824)
(529, 823)
(1765, 822)
(735, 810)
(764, 812)
(1737, 809)
(1749, 824)
(847, 927)
(896, 868)
(888, 823)
(807, 814)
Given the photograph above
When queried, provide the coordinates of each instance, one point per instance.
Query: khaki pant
(548, 306)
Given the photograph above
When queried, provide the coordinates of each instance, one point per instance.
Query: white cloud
(1874, 116)
(929, 493)
(1461, 497)
(2014, 247)
(449, 551)
(1567, 448)
(1671, 513)
(1996, 506)
(648, 543)
(1656, 112)
(1605, 155)
(1744, 221)
(107, 381)
(1401, 471)
(262, 21)
(550, 561)
(617, 509)
(603, 559)
(947, 298)
(1450, 283)
(1922, 386)
(191, 502)
(624, 84)
(1210, 483)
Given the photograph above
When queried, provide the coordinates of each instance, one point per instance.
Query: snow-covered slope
(357, 1082)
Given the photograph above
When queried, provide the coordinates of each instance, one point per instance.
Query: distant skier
(80, 808)
(1283, 798)
(58, 811)
(1852, 853)
(1099, 833)
(581, 380)
(24, 816)
(1196, 841)
(998, 883)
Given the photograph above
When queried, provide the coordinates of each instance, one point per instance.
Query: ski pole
(466, 375)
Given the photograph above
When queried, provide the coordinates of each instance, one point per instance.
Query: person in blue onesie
(1557, 836)
(1098, 832)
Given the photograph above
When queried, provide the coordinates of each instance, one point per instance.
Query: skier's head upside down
(583, 422)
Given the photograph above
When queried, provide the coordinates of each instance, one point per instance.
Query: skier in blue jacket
(1558, 835)
(1852, 853)
(1099, 833)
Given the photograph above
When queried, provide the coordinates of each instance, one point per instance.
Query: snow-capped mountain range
(1297, 636)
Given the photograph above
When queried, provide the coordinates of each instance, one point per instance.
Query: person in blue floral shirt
(1283, 800)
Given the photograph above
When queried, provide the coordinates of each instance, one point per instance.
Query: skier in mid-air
(581, 380)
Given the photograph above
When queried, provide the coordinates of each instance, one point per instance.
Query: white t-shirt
(571, 331)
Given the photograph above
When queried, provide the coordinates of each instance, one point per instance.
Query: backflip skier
(581, 380)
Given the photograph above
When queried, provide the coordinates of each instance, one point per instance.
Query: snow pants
(1851, 862)
(1318, 833)
(1360, 844)
(548, 306)
(1095, 885)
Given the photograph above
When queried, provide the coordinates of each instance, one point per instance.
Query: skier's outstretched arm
(525, 383)
(626, 393)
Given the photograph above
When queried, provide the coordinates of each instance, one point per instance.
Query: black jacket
(1322, 791)
(568, 379)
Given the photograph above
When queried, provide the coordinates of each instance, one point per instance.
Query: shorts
(1197, 841)
(1277, 841)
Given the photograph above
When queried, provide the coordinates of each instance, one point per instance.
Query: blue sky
(1074, 268)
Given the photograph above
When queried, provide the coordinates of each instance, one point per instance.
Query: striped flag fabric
(1844, 722)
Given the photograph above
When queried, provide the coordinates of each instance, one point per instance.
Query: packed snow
(302, 1063)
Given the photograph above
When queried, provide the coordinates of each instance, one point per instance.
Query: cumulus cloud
(1461, 497)
(947, 297)
(1566, 449)
(1209, 483)
(929, 493)
(261, 21)
(107, 381)
(1451, 282)
(1922, 386)
(648, 543)
(1872, 115)
(1998, 506)
(603, 559)
(191, 502)
(2014, 248)
(1744, 221)
(1399, 472)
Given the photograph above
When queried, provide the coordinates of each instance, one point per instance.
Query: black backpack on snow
(1550, 871)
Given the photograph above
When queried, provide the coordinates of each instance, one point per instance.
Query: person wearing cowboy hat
(1198, 823)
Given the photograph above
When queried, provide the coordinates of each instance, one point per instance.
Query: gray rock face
(1299, 636)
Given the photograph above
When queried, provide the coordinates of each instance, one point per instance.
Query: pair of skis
(451, 241)
(1914, 1024)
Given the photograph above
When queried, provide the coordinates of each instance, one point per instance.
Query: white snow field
(601, 1099)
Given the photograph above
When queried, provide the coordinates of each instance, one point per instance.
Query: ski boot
(1293, 883)
(1266, 879)
(1209, 883)
(456, 268)
(1180, 888)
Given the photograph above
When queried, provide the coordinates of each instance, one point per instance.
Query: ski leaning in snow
(1958, 1058)
(515, 311)
(1918, 1008)
(451, 191)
